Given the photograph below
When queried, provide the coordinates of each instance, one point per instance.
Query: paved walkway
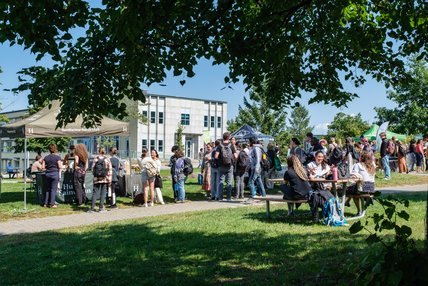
(58, 222)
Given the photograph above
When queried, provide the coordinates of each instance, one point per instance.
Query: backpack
(332, 213)
(391, 147)
(265, 162)
(337, 156)
(151, 168)
(277, 163)
(243, 161)
(100, 168)
(402, 150)
(188, 168)
(226, 155)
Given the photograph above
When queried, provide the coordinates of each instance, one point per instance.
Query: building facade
(201, 120)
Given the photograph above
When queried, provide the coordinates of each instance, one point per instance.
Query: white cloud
(321, 128)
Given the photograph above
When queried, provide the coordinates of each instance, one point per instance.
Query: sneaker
(102, 210)
(162, 203)
(257, 197)
(152, 204)
(91, 211)
(145, 206)
(386, 178)
(229, 200)
(113, 207)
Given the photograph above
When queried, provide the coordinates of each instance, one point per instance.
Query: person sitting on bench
(298, 186)
(366, 170)
(10, 171)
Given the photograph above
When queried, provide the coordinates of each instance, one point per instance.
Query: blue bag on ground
(332, 213)
(200, 179)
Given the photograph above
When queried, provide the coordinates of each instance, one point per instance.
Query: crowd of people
(229, 167)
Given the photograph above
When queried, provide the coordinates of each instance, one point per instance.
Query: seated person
(10, 170)
(319, 169)
(297, 187)
(366, 171)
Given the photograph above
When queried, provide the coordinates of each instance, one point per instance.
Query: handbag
(158, 182)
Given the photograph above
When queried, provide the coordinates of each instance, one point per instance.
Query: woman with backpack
(148, 173)
(180, 177)
(239, 170)
(80, 167)
(102, 170)
(158, 179)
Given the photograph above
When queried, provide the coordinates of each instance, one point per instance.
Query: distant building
(200, 119)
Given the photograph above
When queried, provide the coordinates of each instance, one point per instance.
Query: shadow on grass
(300, 217)
(146, 254)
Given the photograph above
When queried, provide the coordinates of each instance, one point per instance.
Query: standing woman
(158, 179)
(215, 176)
(419, 152)
(53, 165)
(206, 169)
(80, 168)
(101, 168)
(148, 182)
(179, 176)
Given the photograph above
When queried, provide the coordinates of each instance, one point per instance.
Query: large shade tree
(290, 46)
(344, 125)
(410, 116)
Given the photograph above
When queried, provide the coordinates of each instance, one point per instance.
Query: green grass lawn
(232, 246)
(11, 200)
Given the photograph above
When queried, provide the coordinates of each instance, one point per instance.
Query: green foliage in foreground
(236, 246)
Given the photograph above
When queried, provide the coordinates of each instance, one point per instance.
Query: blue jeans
(226, 173)
(386, 168)
(214, 182)
(239, 186)
(256, 177)
(181, 193)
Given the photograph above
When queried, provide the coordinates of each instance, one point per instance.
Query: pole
(25, 174)
(1, 164)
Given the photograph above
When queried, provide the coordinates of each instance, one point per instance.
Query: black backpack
(265, 162)
(188, 168)
(226, 155)
(243, 161)
(100, 169)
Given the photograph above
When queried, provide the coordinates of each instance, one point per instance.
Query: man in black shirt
(225, 154)
(172, 161)
(385, 156)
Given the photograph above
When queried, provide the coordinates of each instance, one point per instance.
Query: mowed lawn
(231, 246)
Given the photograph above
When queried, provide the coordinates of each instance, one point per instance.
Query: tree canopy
(288, 46)
(298, 123)
(344, 125)
(410, 116)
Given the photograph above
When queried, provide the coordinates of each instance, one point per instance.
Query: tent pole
(25, 174)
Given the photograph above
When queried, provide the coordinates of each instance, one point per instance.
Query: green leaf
(372, 238)
(356, 227)
(404, 215)
(386, 224)
(182, 82)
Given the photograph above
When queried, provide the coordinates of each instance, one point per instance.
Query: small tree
(179, 138)
(298, 123)
(344, 125)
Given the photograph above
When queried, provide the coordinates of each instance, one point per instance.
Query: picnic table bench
(278, 199)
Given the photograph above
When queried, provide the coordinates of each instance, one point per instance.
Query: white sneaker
(162, 203)
(152, 204)
(145, 205)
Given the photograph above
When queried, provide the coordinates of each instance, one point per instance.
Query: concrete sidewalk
(79, 219)
(58, 222)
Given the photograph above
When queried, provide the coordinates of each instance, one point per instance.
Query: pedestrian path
(58, 222)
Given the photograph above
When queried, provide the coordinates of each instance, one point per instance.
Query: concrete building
(202, 120)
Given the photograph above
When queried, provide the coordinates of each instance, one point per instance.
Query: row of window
(185, 119)
(153, 145)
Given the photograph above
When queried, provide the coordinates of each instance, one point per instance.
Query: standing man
(256, 168)
(308, 142)
(385, 156)
(172, 161)
(200, 157)
(225, 154)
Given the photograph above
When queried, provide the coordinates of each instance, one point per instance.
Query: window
(144, 143)
(145, 113)
(160, 146)
(212, 122)
(152, 144)
(185, 119)
(219, 121)
(206, 121)
(153, 117)
(160, 117)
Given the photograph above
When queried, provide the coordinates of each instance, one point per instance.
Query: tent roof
(247, 132)
(372, 132)
(43, 124)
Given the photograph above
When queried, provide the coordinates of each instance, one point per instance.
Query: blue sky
(206, 84)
